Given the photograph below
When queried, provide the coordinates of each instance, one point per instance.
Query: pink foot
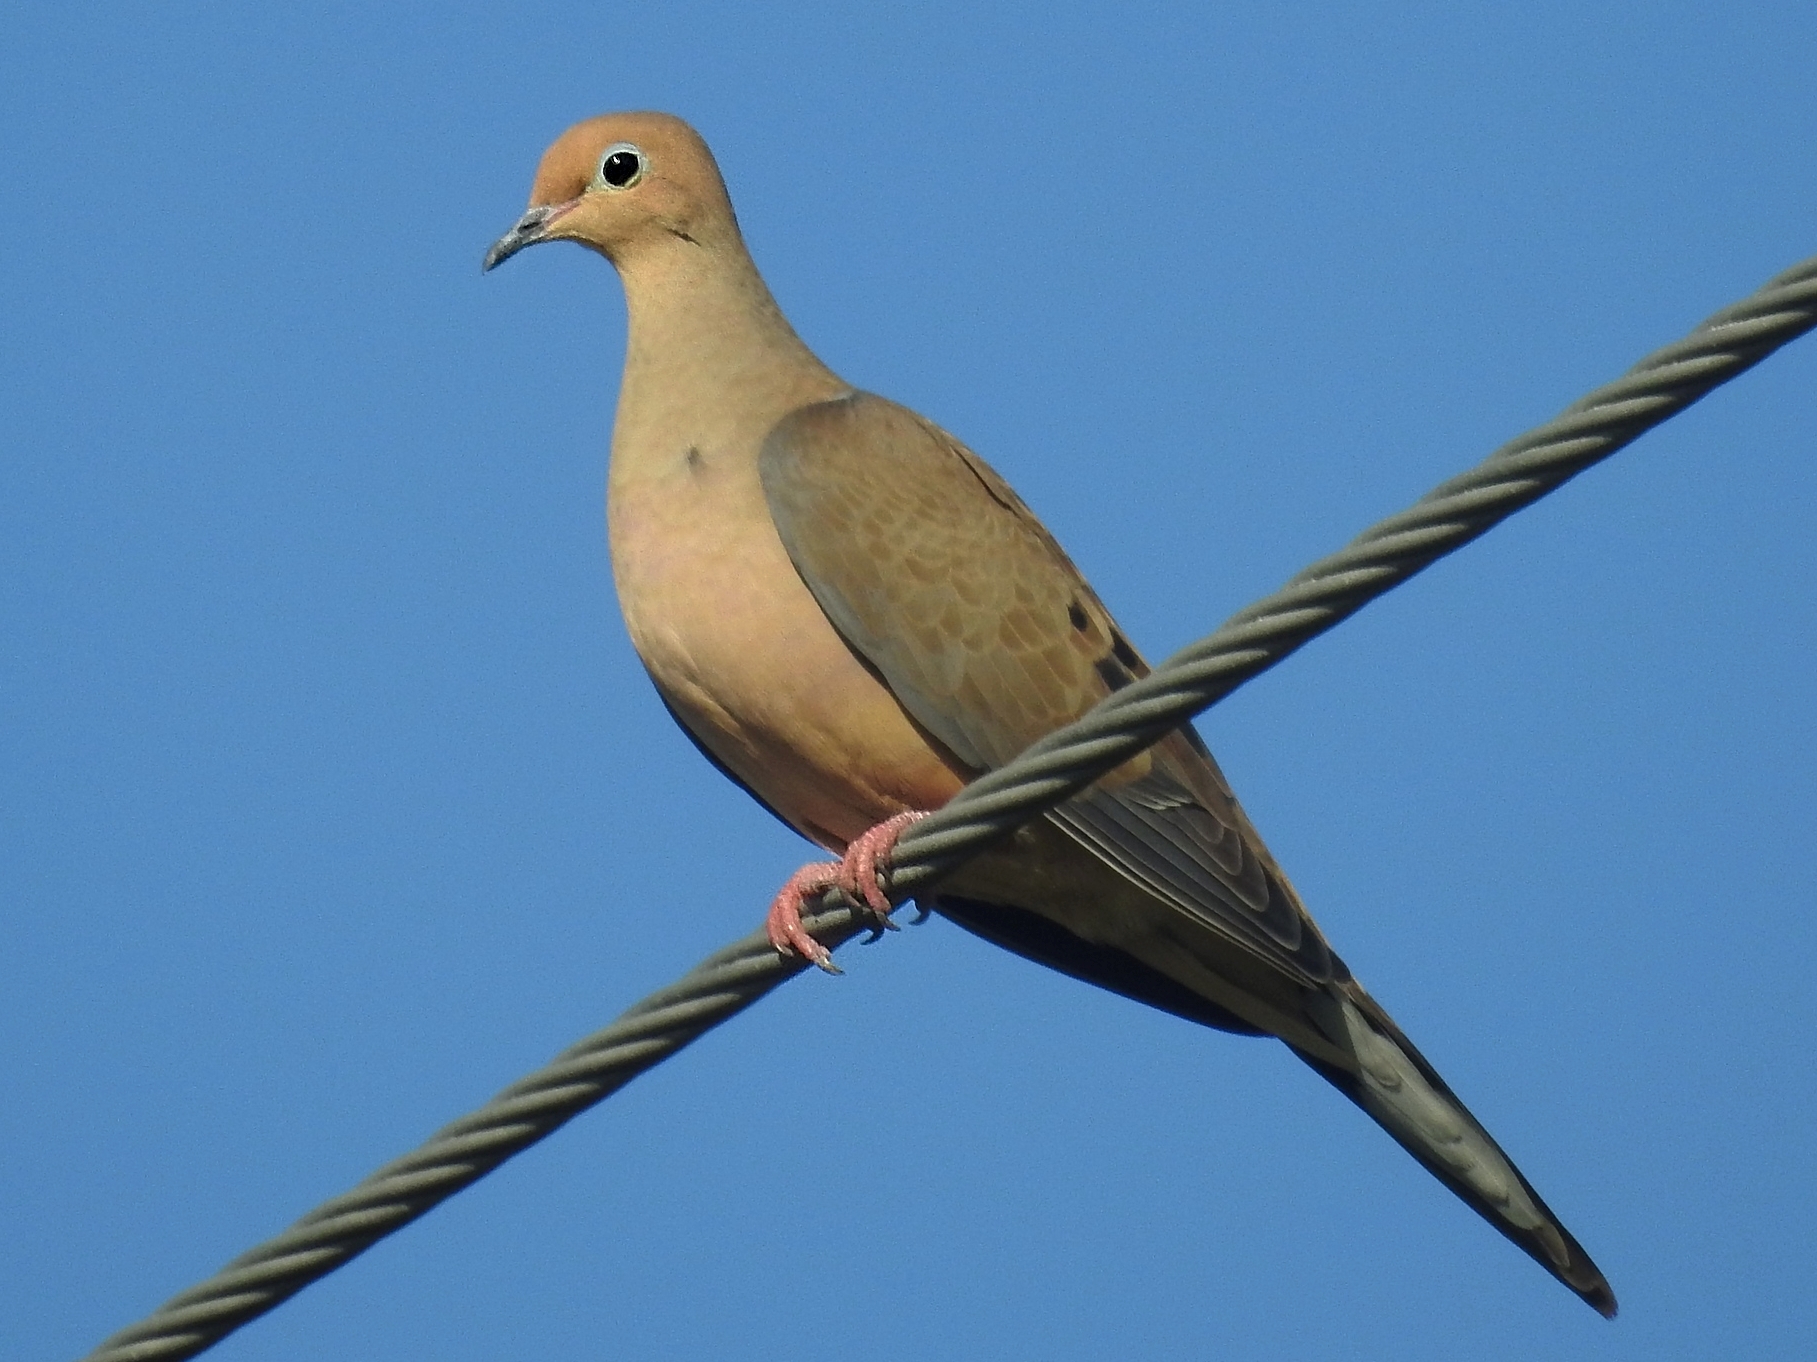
(855, 875)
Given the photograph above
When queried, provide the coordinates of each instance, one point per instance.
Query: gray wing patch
(1154, 831)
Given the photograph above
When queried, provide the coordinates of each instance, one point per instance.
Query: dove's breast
(744, 655)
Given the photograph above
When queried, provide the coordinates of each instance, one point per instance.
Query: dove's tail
(1394, 1084)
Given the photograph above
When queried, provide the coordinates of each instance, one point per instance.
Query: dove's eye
(621, 167)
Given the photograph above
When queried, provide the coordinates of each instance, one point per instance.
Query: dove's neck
(710, 362)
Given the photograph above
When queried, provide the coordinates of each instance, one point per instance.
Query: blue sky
(332, 798)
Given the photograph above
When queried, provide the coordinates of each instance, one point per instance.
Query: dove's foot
(784, 922)
(871, 849)
(855, 875)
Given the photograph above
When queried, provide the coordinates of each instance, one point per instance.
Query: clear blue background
(334, 798)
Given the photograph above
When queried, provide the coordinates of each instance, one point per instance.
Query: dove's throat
(711, 364)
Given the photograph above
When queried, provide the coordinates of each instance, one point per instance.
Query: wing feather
(937, 575)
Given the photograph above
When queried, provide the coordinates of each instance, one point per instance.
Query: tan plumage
(852, 614)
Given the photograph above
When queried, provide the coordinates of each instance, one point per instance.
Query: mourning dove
(852, 615)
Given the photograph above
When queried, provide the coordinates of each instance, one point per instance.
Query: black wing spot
(696, 460)
(1112, 673)
(1076, 613)
(1119, 647)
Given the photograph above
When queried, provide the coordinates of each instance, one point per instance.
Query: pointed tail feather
(1395, 1085)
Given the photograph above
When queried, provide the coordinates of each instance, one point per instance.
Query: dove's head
(621, 183)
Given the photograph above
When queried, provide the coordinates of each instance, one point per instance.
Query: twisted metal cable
(1060, 765)
(1334, 588)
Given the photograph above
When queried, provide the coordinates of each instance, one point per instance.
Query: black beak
(528, 231)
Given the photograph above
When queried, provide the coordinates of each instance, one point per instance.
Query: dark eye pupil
(619, 169)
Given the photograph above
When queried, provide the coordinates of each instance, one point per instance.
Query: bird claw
(854, 875)
(783, 924)
(858, 870)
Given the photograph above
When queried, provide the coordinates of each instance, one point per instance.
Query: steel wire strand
(1065, 762)
(1336, 587)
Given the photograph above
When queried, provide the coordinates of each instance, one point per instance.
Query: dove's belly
(744, 655)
